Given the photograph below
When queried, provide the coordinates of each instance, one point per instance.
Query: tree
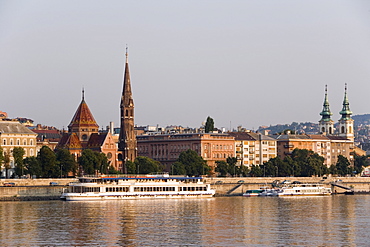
(342, 165)
(178, 168)
(1, 157)
(194, 164)
(222, 168)
(66, 162)
(33, 166)
(6, 164)
(48, 162)
(18, 154)
(145, 165)
(360, 163)
(256, 171)
(88, 162)
(131, 167)
(233, 169)
(210, 125)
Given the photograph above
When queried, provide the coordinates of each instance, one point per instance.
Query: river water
(222, 221)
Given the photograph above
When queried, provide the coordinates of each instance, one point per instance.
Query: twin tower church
(83, 131)
(345, 124)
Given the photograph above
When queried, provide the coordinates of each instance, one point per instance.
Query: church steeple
(326, 124)
(127, 139)
(346, 121)
(345, 112)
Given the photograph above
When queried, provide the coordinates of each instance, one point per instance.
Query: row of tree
(305, 163)
(61, 163)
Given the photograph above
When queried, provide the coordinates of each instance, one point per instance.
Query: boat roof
(140, 177)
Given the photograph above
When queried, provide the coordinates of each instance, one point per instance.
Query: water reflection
(228, 221)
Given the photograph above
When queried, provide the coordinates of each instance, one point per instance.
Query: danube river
(223, 221)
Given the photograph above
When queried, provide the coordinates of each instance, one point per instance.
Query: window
(4, 141)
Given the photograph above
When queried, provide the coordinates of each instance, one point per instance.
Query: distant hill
(310, 128)
(363, 119)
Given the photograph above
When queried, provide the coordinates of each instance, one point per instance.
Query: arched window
(330, 130)
(4, 141)
(11, 141)
(18, 142)
(31, 142)
(342, 130)
(350, 129)
(323, 129)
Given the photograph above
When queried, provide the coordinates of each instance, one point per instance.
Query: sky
(248, 63)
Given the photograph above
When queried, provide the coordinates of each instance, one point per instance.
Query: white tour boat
(136, 187)
(304, 190)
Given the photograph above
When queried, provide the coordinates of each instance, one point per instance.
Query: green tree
(1, 157)
(88, 162)
(66, 162)
(256, 171)
(222, 168)
(210, 125)
(342, 165)
(102, 162)
(131, 167)
(18, 154)
(360, 163)
(6, 164)
(178, 168)
(145, 165)
(233, 168)
(293, 165)
(33, 166)
(243, 170)
(48, 163)
(112, 170)
(193, 163)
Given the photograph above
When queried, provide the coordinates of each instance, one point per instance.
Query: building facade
(14, 134)
(253, 148)
(166, 148)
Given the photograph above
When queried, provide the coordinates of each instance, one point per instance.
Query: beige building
(327, 146)
(166, 148)
(14, 134)
(253, 148)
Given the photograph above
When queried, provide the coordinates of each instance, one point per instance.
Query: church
(83, 131)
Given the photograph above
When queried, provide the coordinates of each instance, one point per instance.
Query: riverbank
(40, 189)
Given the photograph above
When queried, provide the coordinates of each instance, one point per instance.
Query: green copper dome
(326, 113)
(345, 112)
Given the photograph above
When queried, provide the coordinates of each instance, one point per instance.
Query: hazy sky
(246, 63)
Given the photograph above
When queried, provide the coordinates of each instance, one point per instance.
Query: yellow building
(14, 134)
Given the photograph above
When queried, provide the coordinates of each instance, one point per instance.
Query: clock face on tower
(84, 137)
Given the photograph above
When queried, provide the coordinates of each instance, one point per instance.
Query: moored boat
(304, 190)
(252, 193)
(136, 187)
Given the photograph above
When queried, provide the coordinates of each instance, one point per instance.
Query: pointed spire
(326, 113)
(345, 112)
(83, 94)
(126, 53)
(126, 92)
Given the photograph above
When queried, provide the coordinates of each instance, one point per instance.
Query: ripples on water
(223, 221)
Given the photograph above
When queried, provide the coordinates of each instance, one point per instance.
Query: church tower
(127, 139)
(326, 124)
(83, 123)
(346, 122)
